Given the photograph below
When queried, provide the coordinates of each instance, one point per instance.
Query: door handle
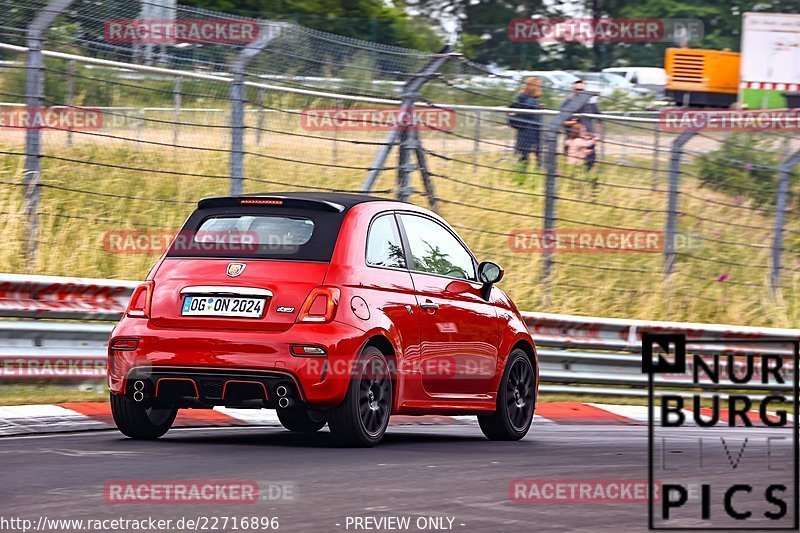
(429, 305)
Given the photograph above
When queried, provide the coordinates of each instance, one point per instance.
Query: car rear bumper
(217, 367)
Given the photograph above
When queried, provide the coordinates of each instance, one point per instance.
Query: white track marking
(634, 412)
(18, 419)
(257, 417)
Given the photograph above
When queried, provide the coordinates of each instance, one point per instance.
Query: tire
(515, 401)
(138, 421)
(301, 420)
(362, 418)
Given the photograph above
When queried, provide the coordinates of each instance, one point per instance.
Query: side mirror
(489, 273)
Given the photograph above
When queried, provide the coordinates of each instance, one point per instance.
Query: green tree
(722, 23)
(370, 20)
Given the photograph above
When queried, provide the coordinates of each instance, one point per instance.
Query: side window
(384, 247)
(436, 250)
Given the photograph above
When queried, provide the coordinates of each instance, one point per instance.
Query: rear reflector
(305, 350)
(125, 345)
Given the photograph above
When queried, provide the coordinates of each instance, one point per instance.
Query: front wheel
(138, 421)
(515, 401)
(361, 419)
(301, 420)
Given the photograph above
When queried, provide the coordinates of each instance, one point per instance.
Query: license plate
(230, 306)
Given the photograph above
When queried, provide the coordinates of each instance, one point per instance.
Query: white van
(652, 78)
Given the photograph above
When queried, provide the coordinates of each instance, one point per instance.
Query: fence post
(176, 113)
(672, 202)
(404, 165)
(551, 168)
(335, 147)
(238, 100)
(260, 115)
(34, 97)
(70, 93)
(656, 147)
(784, 181)
(476, 142)
(399, 135)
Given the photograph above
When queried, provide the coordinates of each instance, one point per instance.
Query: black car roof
(346, 200)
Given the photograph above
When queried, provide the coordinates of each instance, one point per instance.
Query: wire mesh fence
(316, 109)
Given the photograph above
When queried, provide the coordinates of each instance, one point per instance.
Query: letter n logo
(669, 350)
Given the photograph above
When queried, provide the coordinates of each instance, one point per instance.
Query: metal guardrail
(577, 354)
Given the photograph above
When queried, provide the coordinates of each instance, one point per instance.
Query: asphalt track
(440, 471)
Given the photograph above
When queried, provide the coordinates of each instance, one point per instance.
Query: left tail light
(139, 306)
(320, 306)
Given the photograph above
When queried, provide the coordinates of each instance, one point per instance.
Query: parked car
(606, 84)
(652, 78)
(558, 79)
(331, 308)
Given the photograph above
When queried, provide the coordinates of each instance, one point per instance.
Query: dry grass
(631, 285)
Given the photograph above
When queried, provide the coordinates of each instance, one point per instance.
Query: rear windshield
(284, 235)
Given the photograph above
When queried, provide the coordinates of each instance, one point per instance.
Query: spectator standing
(528, 126)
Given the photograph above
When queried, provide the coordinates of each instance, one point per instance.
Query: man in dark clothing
(587, 122)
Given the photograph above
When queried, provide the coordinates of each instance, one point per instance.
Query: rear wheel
(361, 419)
(138, 421)
(515, 401)
(301, 419)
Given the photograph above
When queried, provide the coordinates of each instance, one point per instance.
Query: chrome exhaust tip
(281, 390)
(138, 390)
(284, 402)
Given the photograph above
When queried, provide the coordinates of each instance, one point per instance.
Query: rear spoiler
(271, 201)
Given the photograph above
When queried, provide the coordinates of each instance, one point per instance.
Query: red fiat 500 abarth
(331, 308)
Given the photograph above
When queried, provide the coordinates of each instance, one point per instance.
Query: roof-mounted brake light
(261, 201)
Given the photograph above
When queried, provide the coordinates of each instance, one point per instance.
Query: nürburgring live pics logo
(728, 458)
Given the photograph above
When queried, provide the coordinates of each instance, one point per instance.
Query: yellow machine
(705, 78)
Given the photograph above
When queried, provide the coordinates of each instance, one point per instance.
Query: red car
(331, 308)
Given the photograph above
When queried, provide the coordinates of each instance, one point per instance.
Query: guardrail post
(672, 202)
(784, 181)
(238, 100)
(34, 97)
(400, 135)
(551, 168)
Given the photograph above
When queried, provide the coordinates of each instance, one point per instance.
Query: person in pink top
(580, 146)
